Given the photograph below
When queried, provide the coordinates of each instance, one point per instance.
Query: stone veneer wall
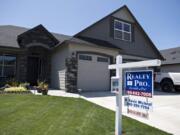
(22, 67)
(22, 63)
(71, 74)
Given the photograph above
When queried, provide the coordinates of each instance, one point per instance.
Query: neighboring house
(78, 62)
(172, 60)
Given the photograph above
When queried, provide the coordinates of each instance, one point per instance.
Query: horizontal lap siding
(170, 68)
(62, 75)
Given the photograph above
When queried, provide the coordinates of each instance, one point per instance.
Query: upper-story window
(122, 30)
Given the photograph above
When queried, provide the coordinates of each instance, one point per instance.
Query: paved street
(166, 109)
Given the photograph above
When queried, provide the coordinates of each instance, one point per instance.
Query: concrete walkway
(165, 115)
(53, 92)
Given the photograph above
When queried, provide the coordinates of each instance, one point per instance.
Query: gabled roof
(140, 27)
(9, 34)
(39, 34)
(172, 56)
(39, 27)
(77, 34)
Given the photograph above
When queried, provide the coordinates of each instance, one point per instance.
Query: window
(101, 59)
(7, 65)
(122, 30)
(85, 57)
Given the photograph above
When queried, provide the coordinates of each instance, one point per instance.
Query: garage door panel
(93, 75)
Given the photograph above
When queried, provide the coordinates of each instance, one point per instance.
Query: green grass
(45, 115)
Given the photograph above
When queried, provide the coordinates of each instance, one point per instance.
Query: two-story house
(77, 62)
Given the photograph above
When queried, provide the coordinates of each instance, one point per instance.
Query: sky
(159, 18)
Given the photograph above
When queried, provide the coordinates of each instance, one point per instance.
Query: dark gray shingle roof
(8, 35)
(171, 55)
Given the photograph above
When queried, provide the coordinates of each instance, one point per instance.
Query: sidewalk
(53, 92)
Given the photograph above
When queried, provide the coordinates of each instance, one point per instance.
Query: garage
(93, 73)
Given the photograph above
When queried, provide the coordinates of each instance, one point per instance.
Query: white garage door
(93, 72)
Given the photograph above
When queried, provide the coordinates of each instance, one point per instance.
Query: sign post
(118, 123)
(119, 66)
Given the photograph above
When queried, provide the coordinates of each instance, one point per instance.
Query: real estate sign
(139, 83)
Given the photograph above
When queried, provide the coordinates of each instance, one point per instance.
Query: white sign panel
(138, 106)
(114, 84)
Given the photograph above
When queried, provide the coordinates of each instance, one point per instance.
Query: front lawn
(46, 115)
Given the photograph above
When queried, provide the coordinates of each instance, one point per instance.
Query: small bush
(15, 89)
(25, 85)
(42, 85)
(13, 83)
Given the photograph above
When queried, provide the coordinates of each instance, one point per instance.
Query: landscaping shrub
(12, 82)
(42, 87)
(25, 85)
(15, 89)
(14, 86)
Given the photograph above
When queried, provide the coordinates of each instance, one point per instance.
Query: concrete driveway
(166, 109)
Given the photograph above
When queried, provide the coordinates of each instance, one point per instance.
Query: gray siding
(95, 49)
(58, 67)
(171, 68)
(123, 14)
(140, 46)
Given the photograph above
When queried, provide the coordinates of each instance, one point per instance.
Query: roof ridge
(14, 26)
(124, 6)
(170, 48)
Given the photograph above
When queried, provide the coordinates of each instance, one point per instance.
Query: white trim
(123, 31)
(37, 45)
(147, 63)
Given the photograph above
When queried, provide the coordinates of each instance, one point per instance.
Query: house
(74, 62)
(172, 60)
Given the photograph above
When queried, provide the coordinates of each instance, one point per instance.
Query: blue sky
(159, 18)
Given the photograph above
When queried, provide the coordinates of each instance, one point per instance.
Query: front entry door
(33, 70)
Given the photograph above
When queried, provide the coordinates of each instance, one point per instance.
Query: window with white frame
(122, 30)
(7, 65)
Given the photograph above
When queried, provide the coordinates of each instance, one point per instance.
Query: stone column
(22, 67)
(71, 74)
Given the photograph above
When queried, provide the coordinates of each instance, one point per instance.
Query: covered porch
(31, 61)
